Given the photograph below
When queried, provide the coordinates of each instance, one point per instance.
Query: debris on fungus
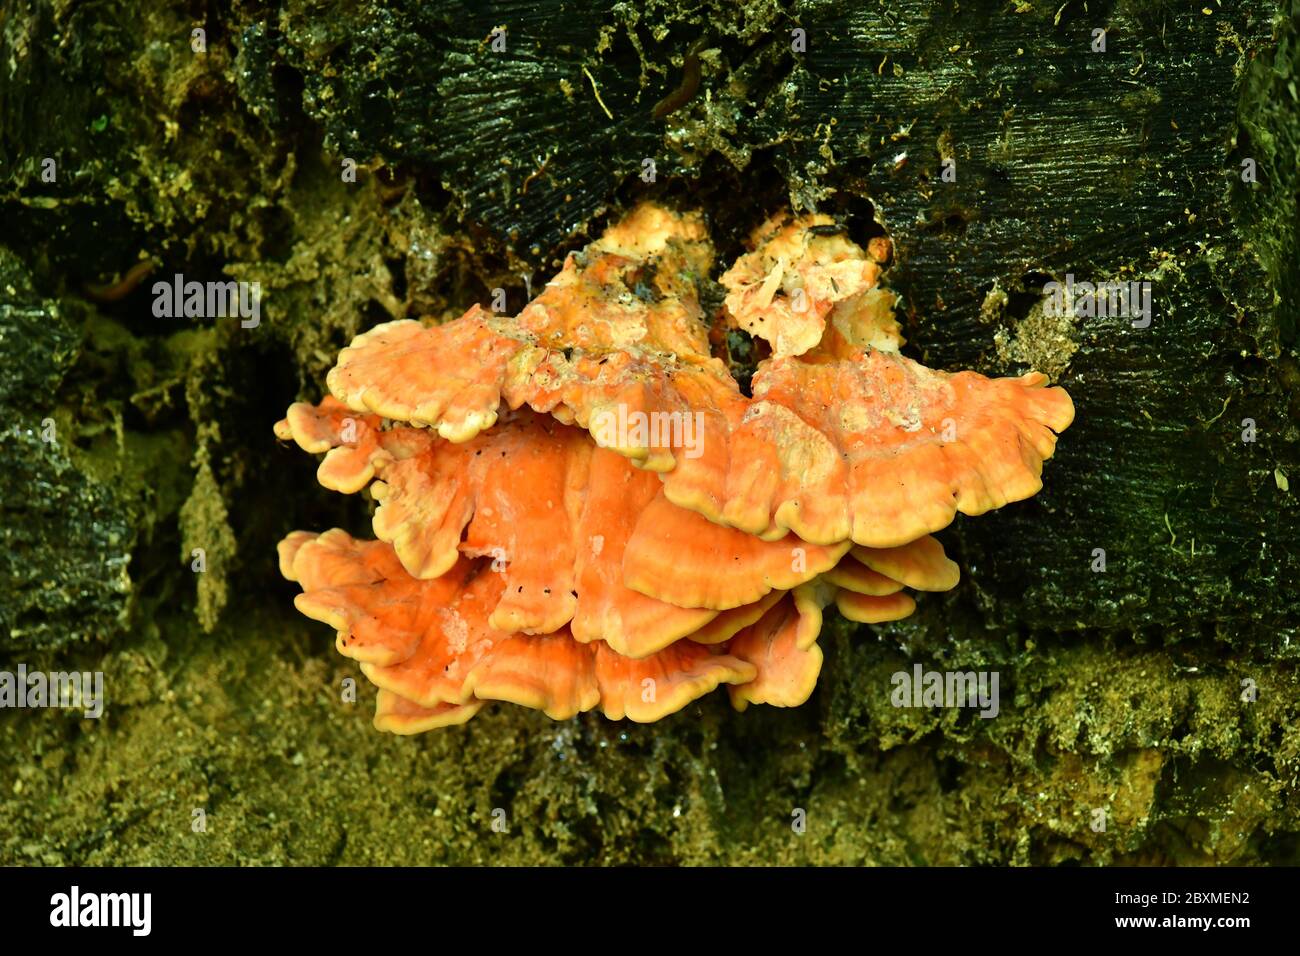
(579, 509)
(799, 272)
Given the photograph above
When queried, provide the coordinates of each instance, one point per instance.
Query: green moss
(207, 543)
(1121, 692)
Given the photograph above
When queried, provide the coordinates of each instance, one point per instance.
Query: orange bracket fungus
(578, 508)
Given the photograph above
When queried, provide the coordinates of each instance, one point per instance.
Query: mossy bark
(1160, 690)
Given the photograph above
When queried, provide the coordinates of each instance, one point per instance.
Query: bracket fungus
(579, 508)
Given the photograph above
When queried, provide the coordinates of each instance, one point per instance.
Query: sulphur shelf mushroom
(580, 509)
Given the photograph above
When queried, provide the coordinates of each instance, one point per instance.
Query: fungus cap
(579, 509)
